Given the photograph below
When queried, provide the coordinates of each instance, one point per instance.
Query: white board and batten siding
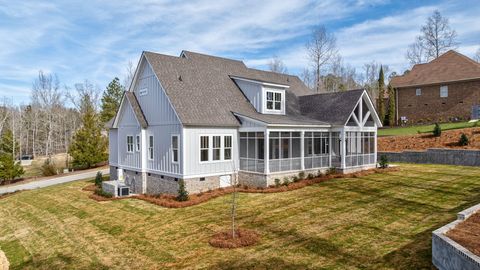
(253, 92)
(127, 126)
(113, 147)
(162, 122)
(193, 166)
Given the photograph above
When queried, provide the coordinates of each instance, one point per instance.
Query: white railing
(319, 161)
(252, 165)
(359, 160)
(286, 164)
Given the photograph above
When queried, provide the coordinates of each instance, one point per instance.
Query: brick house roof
(449, 67)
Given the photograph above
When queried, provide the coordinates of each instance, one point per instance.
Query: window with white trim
(227, 144)
(274, 101)
(130, 144)
(150, 147)
(175, 148)
(137, 143)
(204, 144)
(444, 91)
(418, 91)
(217, 147)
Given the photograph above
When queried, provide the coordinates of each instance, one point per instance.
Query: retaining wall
(462, 157)
(448, 254)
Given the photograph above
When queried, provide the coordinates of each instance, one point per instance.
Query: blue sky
(95, 40)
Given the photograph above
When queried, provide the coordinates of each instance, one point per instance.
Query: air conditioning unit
(123, 191)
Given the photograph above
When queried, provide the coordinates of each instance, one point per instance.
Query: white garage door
(225, 181)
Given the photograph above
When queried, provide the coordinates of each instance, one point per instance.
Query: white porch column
(143, 159)
(343, 148)
(302, 150)
(330, 146)
(375, 147)
(266, 151)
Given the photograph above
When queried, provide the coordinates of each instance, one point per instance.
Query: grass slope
(377, 221)
(412, 130)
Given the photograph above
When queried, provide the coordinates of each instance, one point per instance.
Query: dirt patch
(467, 234)
(243, 238)
(170, 201)
(448, 139)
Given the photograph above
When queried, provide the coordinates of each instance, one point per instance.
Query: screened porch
(283, 151)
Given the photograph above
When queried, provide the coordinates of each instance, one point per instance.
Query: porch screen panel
(360, 148)
(251, 151)
(317, 149)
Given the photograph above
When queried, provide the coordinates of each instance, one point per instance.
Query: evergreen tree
(9, 169)
(381, 94)
(89, 147)
(391, 105)
(111, 99)
(182, 192)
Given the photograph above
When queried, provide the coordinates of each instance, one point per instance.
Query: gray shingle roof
(333, 108)
(137, 110)
(203, 93)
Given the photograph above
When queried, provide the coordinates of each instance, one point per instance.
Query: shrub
(277, 182)
(332, 170)
(310, 176)
(437, 130)
(301, 175)
(286, 181)
(182, 192)
(98, 179)
(48, 168)
(463, 140)
(295, 179)
(383, 161)
(102, 193)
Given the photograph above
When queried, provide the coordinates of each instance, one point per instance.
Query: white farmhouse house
(206, 119)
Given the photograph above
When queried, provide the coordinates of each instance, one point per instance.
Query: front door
(225, 181)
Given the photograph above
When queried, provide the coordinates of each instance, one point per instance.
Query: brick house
(445, 89)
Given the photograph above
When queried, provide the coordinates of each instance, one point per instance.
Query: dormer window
(274, 100)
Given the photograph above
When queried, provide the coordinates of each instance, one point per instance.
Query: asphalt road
(51, 182)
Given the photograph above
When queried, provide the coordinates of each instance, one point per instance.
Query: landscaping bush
(310, 176)
(331, 170)
(383, 161)
(48, 168)
(286, 181)
(437, 130)
(182, 192)
(463, 140)
(98, 179)
(295, 179)
(301, 175)
(277, 182)
(102, 193)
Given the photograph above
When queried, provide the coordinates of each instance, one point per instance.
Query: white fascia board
(279, 125)
(260, 82)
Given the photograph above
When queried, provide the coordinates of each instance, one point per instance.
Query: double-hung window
(150, 147)
(130, 144)
(227, 151)
(274, 101)
(137, 143)
(175, 148)
(204, 144)
(444, 91)
(418, 91)
(217, 147)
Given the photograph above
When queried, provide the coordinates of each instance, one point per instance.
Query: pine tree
(182, 192)
(391, 105)
(381, 94)
(9, 169)
(89, 147)
(111, 99)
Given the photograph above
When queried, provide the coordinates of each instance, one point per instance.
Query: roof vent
(180, 78)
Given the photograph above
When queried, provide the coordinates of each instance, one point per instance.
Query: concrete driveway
(52, 181)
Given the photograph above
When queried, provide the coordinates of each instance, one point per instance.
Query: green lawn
(381, 221)
(412, 130)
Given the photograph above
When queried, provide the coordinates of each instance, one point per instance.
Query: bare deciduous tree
(321, 48)
(276, 65)
(129, 75)
(308, 78)
(477, 56)
(436, 38)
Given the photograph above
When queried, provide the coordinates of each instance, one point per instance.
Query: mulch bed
(243, 238)
(3, 196)
(448, 139)
(467, 234)
(170, 201)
